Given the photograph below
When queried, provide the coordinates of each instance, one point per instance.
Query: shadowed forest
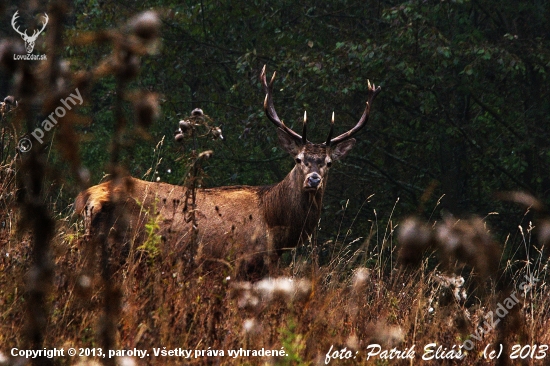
(431, 243)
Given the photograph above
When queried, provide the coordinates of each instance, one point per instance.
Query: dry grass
(166, 302)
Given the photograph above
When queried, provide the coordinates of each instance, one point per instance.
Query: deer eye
(298, 160)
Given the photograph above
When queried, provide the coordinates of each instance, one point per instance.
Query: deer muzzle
(313, 181)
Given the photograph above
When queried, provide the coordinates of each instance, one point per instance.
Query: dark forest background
(463, 112)
(462, 118)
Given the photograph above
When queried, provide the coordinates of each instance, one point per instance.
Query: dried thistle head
(246, 299)
(270, 289)
(146, 108)
(84, 285)
(84, 175)
(469, 242)
(544, 232)
(145, 25)
(352, 342)
(360, 279)
(188, 126)
(10, 99)
(415, 237)
(522, 198)
(185, 125)
(178, 136)
(9, 104)
(145, 29)
(251, 326)
(197, 112)
(126, 361)
(529, 201)
(451, 287)
(217, 133)
(384, 334)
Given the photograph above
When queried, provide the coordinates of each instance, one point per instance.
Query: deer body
(218, 215)
(245, 226)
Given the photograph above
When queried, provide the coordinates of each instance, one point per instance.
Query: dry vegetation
(60, 289)
(355, 301)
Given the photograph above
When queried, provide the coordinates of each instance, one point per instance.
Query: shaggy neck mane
(287, 206)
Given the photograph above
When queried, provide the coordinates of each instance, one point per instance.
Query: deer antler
(13, 19)
(270, 112)
(37, 33)
(25, 36)
(373, 92)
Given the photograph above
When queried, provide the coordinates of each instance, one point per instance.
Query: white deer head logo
(29, 40)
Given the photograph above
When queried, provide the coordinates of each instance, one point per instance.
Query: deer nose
(313, 180)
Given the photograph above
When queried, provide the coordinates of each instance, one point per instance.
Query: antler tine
(13, 19)
(269, 108)
(37, 32)
(268, 101)
(373, 92)
(44, 23)
(304, 139)
(331, 130)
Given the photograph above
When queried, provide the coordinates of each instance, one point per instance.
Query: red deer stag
(246, 225)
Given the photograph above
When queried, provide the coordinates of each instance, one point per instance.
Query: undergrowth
(337, 307)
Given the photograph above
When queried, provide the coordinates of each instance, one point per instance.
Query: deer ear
(288, 143)
(342, 149)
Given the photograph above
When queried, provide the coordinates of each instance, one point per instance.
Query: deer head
(313, 160)
(29, 40)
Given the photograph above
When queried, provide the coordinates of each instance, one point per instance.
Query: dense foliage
(462, 115)
(464, 100)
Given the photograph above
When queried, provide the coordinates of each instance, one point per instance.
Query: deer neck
(289, 208)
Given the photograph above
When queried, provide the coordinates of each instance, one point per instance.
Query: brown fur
(245, 226)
